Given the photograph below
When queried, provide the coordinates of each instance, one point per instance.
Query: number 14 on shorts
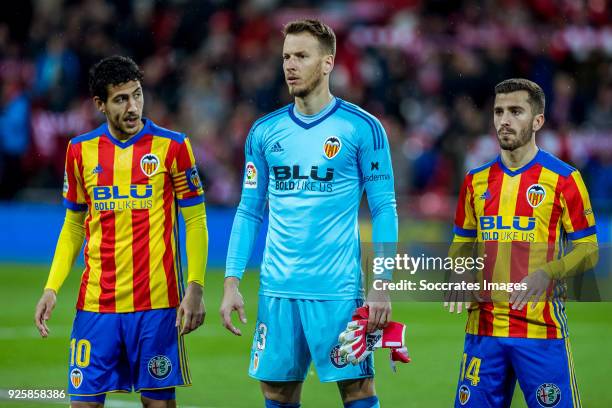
(470, 371)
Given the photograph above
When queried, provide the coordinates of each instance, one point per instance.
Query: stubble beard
(120, 126)
(314, 81)
(522, 140)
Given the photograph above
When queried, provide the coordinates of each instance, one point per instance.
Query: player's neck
(312, 103)
(519, 157)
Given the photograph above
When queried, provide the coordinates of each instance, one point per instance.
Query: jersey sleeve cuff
(462, 232)
(233, 274)
(188, 202)
(74, 206)
(582, 233)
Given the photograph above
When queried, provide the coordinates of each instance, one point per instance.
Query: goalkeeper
(311, 161)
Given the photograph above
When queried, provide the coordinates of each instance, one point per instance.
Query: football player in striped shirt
(123, 186)
(521, 209)
(311, 161)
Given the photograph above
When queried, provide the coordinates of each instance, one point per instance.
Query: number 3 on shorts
(262, 330)
(473, 368)
(80, 351)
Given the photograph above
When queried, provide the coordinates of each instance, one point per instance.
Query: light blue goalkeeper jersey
(313, 171)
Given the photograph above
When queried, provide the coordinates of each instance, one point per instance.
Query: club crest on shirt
(159, 367)
(76, 378)
(337, 359)
(332, 147)
(535, 195)
(464, 394)
(548, 395)
(149, 163)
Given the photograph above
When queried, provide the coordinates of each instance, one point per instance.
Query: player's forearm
(249, 217)
(68, 247)
(384, 220)
(196, 242)
(384, 232)
(583, 257)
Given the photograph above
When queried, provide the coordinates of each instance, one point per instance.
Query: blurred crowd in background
(425, 68)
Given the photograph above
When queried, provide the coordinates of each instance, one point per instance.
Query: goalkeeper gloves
(357, 345)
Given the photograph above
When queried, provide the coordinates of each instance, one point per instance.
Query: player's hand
(191, 311)
(232, 300)
(356, 345)
(379, 305)
(45, 306)
(537, 284)
(458, 300)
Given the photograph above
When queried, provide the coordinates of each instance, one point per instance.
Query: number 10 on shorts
(472, 370)
(79, 352)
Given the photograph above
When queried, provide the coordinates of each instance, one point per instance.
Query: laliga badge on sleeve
(250, 176)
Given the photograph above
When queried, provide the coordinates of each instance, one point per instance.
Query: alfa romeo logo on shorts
(548, 395)
(160, 367)
(76, 378)
(464, 394)
(337, 360)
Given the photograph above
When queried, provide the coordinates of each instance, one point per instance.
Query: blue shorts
(118, 352)
(290, 333)
(491, 366)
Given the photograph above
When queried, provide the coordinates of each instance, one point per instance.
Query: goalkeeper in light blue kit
(311, 160)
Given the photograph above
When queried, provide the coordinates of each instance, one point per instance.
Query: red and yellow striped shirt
(130, 190)
(522, 218)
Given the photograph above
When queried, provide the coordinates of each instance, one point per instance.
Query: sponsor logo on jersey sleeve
(250, 177)
(375, 167)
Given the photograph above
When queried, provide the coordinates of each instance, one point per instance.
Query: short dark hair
(113, 70)
(537, 99)
(321, 31)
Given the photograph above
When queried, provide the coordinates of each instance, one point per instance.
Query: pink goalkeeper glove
(356, 344)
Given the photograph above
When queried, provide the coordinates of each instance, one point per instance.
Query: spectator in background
(425, 67)
(599, 116)
(57, 74)
(14, 137)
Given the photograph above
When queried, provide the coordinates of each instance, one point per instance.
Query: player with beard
(311, 161)
(522, 208)
(123, 185)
